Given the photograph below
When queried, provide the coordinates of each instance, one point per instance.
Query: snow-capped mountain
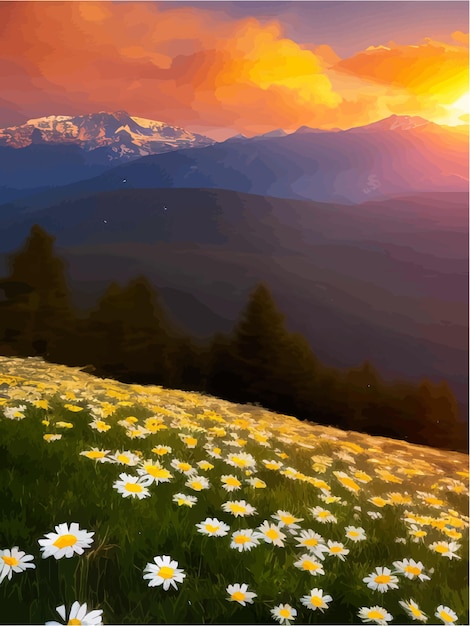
(122, 136)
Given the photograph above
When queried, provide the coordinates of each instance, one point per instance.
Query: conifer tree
(36, 315)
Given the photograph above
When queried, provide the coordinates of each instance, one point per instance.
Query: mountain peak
(394, 122)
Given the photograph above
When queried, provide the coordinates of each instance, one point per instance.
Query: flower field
(128, 504)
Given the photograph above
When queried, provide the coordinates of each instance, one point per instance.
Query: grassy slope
(46, 483)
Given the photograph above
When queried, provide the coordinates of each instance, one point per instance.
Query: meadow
(156, 506)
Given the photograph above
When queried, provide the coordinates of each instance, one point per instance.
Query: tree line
(127, 336)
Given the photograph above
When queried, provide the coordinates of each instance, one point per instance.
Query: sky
(221, 68)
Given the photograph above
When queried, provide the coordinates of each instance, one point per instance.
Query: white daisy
(78, 615)
(165, 573)
(375, 615)
(213, 527)
(197, 483)
(445, 548)
(316, 600)
(355, 533)
(14, 560)
(65, 541)
(238, 508)
(241, 459)
(15, 412)
(337, 549)
(96, 454)
(272, 534)
(284, 613)
(446, 615)
(133, 486)
(125, 458)
(410, 569)
(413, 610)
(245, 539)
(307, 563)
(239, 593)
(284, 518)
(182, 499)
(323, 515)
(313, 542)
(230, 482)
(381, 580)
(183, 467)
(154, 472)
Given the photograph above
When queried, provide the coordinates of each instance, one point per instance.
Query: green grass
(43, 484)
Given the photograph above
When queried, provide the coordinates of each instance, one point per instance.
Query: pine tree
(36, 315)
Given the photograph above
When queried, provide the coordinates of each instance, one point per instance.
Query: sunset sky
(221, 68)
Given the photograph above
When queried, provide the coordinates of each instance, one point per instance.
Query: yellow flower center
(383, 578)
(316, 601)
(190, 441)
(445, 616)
(232, 482)
(93, 454)
(410, 569)
(156, 472)
(272, 533)
(10, 560)
(212, 529)
(196, 485)
(237, 508)
(310, 566)
(336, 549)
(310, 542)
(242, 539)
(133, 487)
(416, 612)
(184, 467)
(375, 615)
(217, 450)
(284, 613)
(240, 462)
(441, 549)
(64, 541)
(419, 533)
(166, 572)
(323, 514)
(123, 458)
(348, 482)
(74, 622)
(239, 596)
(353, 533)
(287, 519)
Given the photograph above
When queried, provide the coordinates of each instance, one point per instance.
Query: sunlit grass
(203, 511)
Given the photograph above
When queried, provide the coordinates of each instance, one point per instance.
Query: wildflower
(287, 519)
(125, 458)
(197, 483)
(355, 533)
(78, 615)
(416, 533)
(375, 615)
(377, 501)
(272, 465)
(284, 613)
(238, 508)
(374, 514)
(96, 454)
(162, 450)
(183, 500)
(245, 539)
(14, 560)
(64, 425)
(241, 460)
(188, 440)
(272, 534)
(65, 541)
(381, 580)
(362, 477)
(100, 425)
(410, 569)
(347, 482)
(49, 437)
(446, 615)
(445, 548)
(183, 467)
(165, 573)
(239, 593)
(137, 433)
(308, 563)
(230, 483)
(214, 452)
(205, 465)
(155, 472)
(313, 542)
(256, 483)
(413, 610)
(133, 486)
(316, 600)
(322, 515)
(337, 549)
(212, 527)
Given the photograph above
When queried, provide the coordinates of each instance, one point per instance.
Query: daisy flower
(213, 527)
(347, 482)
(64, 425)
(182, 499)
(165, 572)
(272, 465)
(316, 600)
(50, 437)
(162, 450)
(322, 515)
(284, 518)
(313, 542)
(446, 615)
(374, 514)
(375, 615)
(242, 460)
(125, 458)
(381, 580)
(445, 548)
(197, 483)
(205, 465)
(154, 472)
(245, 539)
(15, 412)
(239, 593)
(65, 541)
(308, 563)
(95, 454)
(336, 548)
(14, 560)
(256, 482)
(78, 615)
(413, 610)
(272, 534)
(183, 467)
(417, 533)
(133, 486)
(100, 425)
(355, 533)
(284, 613)
(238, 508)
(230, 482)
(410, 569)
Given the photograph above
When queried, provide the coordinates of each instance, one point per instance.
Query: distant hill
(385, 280)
